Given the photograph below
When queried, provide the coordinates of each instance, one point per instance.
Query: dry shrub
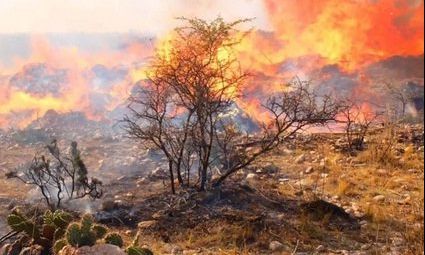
(414, 233)
(381, 149)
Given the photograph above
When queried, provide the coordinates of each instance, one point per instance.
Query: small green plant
(114, 239)
(43, 232)
(84, 233)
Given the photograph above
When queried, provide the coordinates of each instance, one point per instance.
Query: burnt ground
(309, 196)
(238, 216)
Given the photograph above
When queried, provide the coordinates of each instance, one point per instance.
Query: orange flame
(350, 34)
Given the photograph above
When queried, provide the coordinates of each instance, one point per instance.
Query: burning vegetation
(215, 139)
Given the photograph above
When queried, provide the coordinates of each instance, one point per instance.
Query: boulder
(98, 249)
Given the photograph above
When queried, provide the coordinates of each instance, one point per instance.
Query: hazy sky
(105, 16)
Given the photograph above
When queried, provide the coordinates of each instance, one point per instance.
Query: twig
(296, 247)
(8, 236)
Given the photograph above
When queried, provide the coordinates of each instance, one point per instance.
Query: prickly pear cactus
(114, 239)
(87, 223)
(55, 224)
(59, 219)
(73, 234)
(48, 231)
(20, 223)
(100, 231)
(133, 250)
(88, 238)
(58, 246)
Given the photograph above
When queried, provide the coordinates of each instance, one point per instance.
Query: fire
(75, 91)
(304, 36)
(349, 33)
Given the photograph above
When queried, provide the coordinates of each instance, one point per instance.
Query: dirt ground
(309, 197)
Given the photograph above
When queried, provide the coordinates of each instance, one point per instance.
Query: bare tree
(192, 86)
(59, 177)
(399, 93)
(186, 91)
(357, 123)
(290, 112)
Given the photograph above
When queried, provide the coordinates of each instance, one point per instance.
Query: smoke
(150, 17)
(343, 47)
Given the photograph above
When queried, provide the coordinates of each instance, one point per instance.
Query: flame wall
(340, 45)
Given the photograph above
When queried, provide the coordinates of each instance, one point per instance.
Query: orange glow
(349, 34)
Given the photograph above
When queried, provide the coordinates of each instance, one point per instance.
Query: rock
(397, 241)
(283, 180)
(336, 198)
(5, 249)
(251, 176)
(98, 249)
(349, 210)
(322, 163)
(309, 170)
(176, 250)
(382, 172)
(277, 217)
(412, 171)
(32, 250)
(158, 215)
(109, 205)
(122, 177)
(300, 159)
(359, 215)
(271, 168)
(324, 175)
(141, 181)
(344, 252)
(172, 249)
(365, 247)
(287, 152)
(146, 224)
(363, 222)
(129, 195)
(277, 246)
(158, 172)
(191, 252)
(379, 198)
(355, 207)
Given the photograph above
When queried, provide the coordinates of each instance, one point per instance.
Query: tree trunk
(179, 173)
(204, 173)
(403, 109)
(170, 166)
